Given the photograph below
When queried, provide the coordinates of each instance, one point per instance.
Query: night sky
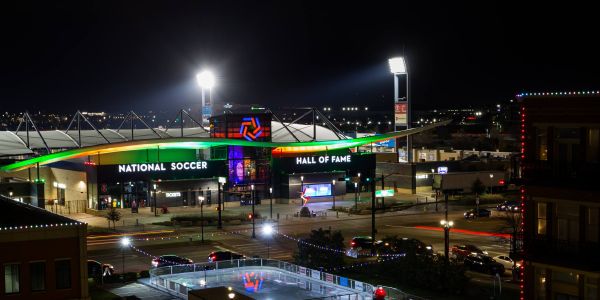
(143, 55)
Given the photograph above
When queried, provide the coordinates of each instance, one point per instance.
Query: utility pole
(382, 188)
(446, 231)
(271, 204)
(373, 217)
(202, 216)
(253, 200)
(219, 221)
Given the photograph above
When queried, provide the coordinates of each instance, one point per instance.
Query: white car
(506, 261)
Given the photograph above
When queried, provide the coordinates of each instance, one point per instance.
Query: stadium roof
(15, 144)
(297, 138)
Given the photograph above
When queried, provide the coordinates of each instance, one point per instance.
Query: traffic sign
(384, 193)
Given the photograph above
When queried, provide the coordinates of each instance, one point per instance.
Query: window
(540, 283)
(592, 151)
(11, 278)
(592, 225)
(63, 274)
(38, 276)
(568, 222)
(591, 288)
(542, 142)
(541, 216)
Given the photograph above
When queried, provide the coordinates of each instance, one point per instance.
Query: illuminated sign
(160, 167)
(59, 185)
(324, 159)
(253, 282)
(317, 190)
(250, 128)
(384, 193)
(421, 176)
(442, 170)
(400, 113)
(173, 194)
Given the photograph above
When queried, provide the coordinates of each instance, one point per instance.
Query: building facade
(42, 255)
(560, 140)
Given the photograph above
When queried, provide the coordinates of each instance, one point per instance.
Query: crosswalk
(256, 248)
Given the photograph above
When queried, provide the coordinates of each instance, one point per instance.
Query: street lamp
(10, 194)
(447, 225)
(333, 192)
(125, 243)
(398, 67)
(358, 184)
(268, 232)
(155, 212)
(271, 204)
(206, 80)
(252, 197)
(491, 182)
(221, 180)
(355, 196)
(301, 188)
(201, 200)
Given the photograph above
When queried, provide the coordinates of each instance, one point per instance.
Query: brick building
(42, 255)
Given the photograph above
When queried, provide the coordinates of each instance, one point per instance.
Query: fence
(362, 290)
(70, 207)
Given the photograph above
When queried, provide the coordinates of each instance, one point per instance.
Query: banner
(401, 113)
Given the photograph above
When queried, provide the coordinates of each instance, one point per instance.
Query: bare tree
(511, 223)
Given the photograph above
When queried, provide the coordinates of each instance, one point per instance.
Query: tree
(321, 249)
(113, 215)
(511, 222)
(477, 187)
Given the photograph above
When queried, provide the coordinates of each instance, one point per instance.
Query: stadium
(236, 157)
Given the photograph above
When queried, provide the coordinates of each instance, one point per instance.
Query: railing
(70, 206)
(363, 290)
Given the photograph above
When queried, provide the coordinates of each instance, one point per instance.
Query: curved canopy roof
(64, 145)
(15, 144)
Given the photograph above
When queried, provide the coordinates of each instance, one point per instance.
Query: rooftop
(15, 213)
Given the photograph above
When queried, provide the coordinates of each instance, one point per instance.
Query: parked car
(361, 246)
(508, 206)
(506, 261)
(483, 264)
(472, 213)
(223, 255)
(403, 246)
(97, 269)
(462, 251)
(170, 260)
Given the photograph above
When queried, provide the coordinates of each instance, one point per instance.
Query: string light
(572, 93)
(21, 227)
(523, 194)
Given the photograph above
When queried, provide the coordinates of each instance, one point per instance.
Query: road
(402, 224)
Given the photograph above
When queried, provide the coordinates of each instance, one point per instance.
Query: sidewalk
(145, 217)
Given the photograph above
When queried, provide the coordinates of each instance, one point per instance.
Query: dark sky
(144, 54)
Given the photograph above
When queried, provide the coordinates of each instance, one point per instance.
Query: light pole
(155, 212)
(436, 191)
(206, 80)
(333, 192)
(301, 189)
(355, 196)
(447, 225)
(271, 204)
(201, 199)
(491, 184)
(221, 180)
(252, 197)
(398, 67)
(268, 232)
(125, 243)
(358, 184)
